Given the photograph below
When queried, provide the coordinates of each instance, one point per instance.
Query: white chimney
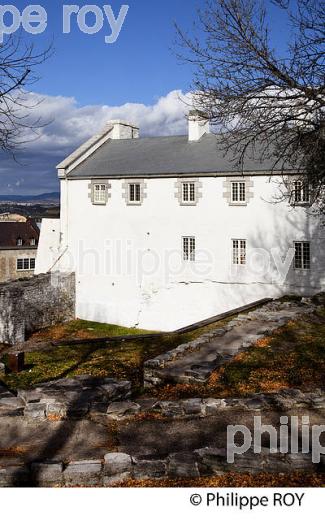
(123, 129)
(198, 125)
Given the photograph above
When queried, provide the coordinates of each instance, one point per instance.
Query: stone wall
(65, 398)
(117, 468)
(29, 305)
(82, 396)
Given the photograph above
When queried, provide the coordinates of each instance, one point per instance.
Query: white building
(163, 232)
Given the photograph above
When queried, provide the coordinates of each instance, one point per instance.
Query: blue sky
(87, 81)
(139, 67)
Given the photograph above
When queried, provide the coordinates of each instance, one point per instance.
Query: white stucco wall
(49, 245)
(113, 248)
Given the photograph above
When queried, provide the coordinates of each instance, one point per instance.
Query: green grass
(119, 360)
(100, 329)
(293, 358)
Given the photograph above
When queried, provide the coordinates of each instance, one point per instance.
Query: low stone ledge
(46, 474)
(149, 469)
(123, 409)
(288, 399)
(14, 476)
(35, 411)
(116, 480)
(117, 463)
(83, 473)
(117, 468)
(181, 350)
(183, 465)
(64, 398)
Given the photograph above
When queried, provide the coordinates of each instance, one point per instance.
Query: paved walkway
(196, 364)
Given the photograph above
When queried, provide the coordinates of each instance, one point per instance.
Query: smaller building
(18, 247)
(12, 217)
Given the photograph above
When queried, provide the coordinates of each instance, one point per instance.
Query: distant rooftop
(18, 235)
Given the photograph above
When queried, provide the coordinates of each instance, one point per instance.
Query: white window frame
(301, 193)
(26, 264)
(189, 192)
(241, 191)
(189, 248)
(19, 242)
(32, 242)
(239, 251)
(101, 200)
(134, 198)
(302, 260)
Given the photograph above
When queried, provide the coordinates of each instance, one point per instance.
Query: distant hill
(43, 197)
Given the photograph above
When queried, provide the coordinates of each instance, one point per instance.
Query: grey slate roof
(162, 156)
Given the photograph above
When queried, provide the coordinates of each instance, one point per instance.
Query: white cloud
(67, 125)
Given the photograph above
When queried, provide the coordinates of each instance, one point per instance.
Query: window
(135, 193)
(19, 242)
(302, 255)
(239, 252)
(301, 192)
(238, 192)
(33, 242)
(25, 264)
(189, 249)
(188, 192)
(100, 193)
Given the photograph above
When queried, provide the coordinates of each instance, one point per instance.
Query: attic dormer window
(32, 241)
(19, 242)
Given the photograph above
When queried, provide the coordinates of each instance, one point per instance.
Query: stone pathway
(195, 361)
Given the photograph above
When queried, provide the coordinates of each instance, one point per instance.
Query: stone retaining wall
(285, 400)
(82, 396)
(29, 305)
(56, 399)
(117, 468)
(65, 398)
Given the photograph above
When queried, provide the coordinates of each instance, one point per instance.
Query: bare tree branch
(18, 62)
(260, 100)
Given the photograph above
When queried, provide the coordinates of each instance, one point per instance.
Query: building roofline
(251, 173)
(84, 148)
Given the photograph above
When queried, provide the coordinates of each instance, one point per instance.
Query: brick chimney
(198, 125)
